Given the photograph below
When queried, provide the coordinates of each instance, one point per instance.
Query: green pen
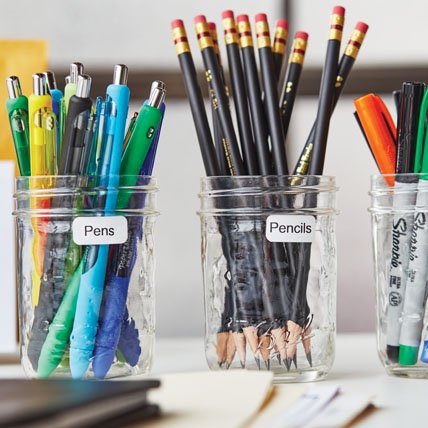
(17, 109)
(145, 128)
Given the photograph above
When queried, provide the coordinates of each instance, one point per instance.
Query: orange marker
(380, 132)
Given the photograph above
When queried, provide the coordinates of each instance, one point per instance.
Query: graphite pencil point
(257, 362)
(295, 360)
(267, 364)
(287, 363)
(243, 364)
(309, 358)
(279, 359)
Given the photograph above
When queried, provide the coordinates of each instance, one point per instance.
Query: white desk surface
(401, 402)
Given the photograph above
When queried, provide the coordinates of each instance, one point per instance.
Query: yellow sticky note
(21, 58)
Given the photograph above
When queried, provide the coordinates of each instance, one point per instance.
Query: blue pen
(115, 320)
(56, 95)
(92, 282)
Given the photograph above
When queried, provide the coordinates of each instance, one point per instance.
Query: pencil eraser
(362, 26)
(177, 23)
(200, 18)
(227, 14)
(243, 18)
(261, 17)
(339, 10)
(301, 35)
(212, 26)
(283, 23)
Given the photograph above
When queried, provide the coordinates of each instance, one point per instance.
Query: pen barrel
(241, 104)
(20, 133)
(74, 135)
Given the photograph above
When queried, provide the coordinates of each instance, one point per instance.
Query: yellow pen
(39, 104)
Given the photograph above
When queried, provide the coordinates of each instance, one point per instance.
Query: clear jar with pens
(399, 212)
(269, 272)
(85, 276)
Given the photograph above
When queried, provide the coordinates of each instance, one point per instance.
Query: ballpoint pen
(57, 96)
(17, 109)
(76, 69)
(92, 280)
(39, 103)
(123, 259)
(61, 255)
(415, 291)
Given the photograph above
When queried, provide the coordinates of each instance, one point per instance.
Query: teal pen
(92, 281)
(57, 96)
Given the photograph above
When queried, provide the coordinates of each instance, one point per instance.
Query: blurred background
(101, 33)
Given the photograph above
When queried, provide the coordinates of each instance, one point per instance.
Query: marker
(404, 199)
(17, 109)
(415, 292)
(92, 281)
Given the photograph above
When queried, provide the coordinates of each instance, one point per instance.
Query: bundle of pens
(400, 206)
(84, 184)
(258, 151)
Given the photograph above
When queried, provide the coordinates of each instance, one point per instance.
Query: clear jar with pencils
(85, 275)
(269, 272)
(399, 213)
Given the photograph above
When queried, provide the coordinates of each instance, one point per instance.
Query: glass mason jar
(85, 273)
(399, 212)
(269, 272)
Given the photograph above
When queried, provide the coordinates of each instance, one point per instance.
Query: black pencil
(218, 135)
(279, 45)
(345, 67)
(271, 95)
(239, 93)
(219, 96)
(326, 96)
(258, 117)
(292, 78)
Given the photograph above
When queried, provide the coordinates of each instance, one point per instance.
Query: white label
(100, 230)
(290, 228)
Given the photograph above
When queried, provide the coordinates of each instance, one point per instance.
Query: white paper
(8, 317)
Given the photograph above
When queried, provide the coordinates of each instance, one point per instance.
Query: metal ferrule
(157, 94)
(204, 35)
(180, 40)
(245, 34)
(13, 87)
(354, 44)
(39, 84)
(263, 35)
(298, 50)
(83, 87)
(120, 75)
(76, 69)
(230, 33)
(336, 27)
(50, 80)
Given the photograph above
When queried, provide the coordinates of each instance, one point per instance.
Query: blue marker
(116, 289)
(92, 282)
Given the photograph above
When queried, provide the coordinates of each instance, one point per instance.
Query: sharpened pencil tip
(287, 362)
(309, 358)
(295, 360)
(267, 364)
(257, 362)
(243, 364)
(279, 359)
(227, 366)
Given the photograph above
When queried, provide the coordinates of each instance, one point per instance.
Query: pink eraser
(283, 23)
(261, 17)
(177, 23)
(339, 10)
(200, 18)
(212, 26)
(243, 18)
(362, 26)
(301, 35)
(227, 14)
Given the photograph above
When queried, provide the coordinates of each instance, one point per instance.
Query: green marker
(17, 109)
(145, 128)
(415, 291)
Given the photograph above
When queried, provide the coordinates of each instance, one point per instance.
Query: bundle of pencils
(69, 136)
(403, 150)
(257, 147)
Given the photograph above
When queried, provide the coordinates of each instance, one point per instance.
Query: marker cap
(408, 355)
(13, 87)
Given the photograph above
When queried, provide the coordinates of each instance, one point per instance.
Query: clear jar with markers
(399, 212)
(269, 272)
(85, 275)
